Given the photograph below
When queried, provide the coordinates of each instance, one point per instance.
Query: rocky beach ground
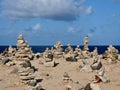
(21, 69)
(54, 80)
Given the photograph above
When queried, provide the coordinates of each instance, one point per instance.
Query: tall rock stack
(86, 44)
(23, 49)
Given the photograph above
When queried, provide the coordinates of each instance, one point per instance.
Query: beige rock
(49, 64)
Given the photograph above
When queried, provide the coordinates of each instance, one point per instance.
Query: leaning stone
(96, 66)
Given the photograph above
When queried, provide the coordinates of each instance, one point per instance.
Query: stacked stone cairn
(78, 53)
(48, 60)
(24, 52)
(86, 44)
(100, 71)
(7, 57)
(111, 54)
(57, 50)
(27, 76)
(22, 56)
(70, 84)
(85, 51)
(69, 54)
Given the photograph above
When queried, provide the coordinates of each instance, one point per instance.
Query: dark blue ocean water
(101, 49)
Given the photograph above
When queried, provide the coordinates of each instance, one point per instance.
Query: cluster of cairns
(90, 62)
(21, 57)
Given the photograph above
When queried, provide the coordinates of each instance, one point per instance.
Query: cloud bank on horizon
(66, 10)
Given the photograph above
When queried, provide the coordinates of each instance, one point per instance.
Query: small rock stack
(23, 49)
(111, 54)
(58, 50)
(48, 59)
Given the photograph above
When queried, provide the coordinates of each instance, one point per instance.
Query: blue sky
(44, 22)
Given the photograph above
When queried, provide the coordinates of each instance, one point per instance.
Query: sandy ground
(54, 80)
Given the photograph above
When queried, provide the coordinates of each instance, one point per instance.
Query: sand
(54, 80)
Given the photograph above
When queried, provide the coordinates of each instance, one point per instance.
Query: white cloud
(36, 27)
(71, 30)
(89, 10)
(66, 10)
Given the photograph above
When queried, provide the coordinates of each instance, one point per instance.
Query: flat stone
(27, 77)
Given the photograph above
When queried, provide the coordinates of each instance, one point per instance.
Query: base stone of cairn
(23, 49)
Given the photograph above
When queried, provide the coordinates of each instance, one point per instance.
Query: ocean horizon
(40, 49)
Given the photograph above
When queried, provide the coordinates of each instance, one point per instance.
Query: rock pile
(57, 50)
(48, 60)
(111, 54)
(70, 84)
(100, 71)
(24, 52)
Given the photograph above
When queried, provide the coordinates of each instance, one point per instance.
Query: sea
(40, 49)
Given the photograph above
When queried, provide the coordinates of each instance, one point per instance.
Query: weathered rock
(96, 65)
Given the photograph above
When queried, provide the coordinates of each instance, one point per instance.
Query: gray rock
(32, 83)
(5, 60)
